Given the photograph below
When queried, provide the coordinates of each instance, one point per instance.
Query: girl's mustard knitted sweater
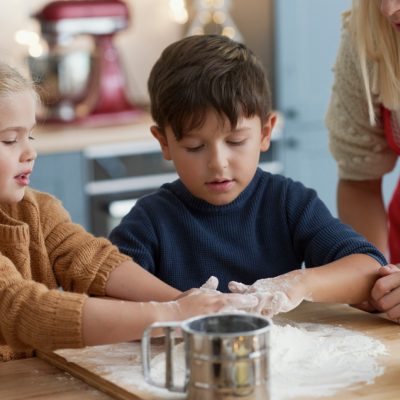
(48, 265)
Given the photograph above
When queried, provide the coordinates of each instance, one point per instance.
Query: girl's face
(17, 155)
(391, 10)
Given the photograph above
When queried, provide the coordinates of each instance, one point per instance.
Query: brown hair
(205, 72)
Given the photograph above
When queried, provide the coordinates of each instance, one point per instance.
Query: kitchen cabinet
(64, 176)
(307, 39)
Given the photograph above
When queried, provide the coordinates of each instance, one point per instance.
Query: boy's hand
(385, 294)
(280, 294)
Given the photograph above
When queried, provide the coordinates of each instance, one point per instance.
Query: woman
(364, 126)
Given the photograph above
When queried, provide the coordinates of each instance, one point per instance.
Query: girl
(42, 250)
(364, 125)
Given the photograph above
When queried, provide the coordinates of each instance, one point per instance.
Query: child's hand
(385, 294)
(275, 295)
(206, 301)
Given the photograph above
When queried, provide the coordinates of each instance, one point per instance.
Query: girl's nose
(389, 7)
(29, 153)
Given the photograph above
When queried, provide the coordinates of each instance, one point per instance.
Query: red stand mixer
(82, 86)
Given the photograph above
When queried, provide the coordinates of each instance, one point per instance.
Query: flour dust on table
(307, 360)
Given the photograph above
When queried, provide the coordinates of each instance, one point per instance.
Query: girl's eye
(9, 142)
(31, 137)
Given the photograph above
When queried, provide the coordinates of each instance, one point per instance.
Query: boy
(225, 217)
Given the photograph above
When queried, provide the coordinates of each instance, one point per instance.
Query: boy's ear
(266, 131)
(162, 139)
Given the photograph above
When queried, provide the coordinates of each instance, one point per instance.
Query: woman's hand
(275, 295)
(385, 294)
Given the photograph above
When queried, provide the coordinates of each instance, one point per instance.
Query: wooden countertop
(66, 138)
(33, 378)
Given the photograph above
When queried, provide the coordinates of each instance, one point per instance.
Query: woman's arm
(360, 205)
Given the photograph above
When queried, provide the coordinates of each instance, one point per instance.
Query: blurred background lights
(31, 40)
(212, 16)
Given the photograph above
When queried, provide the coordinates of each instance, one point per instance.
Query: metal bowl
(62, 80)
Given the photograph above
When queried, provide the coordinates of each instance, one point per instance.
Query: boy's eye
(31, 137)
(194, 149)
(8, 142)
(236, 142)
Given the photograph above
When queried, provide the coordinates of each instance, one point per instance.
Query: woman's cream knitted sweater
(48, 265)
(360, 149)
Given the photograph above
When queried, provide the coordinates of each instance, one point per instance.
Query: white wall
(151, 30)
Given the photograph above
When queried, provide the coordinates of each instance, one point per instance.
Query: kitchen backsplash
(151, 30)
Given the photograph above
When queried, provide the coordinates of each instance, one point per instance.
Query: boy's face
(215, 162)
(17, 118)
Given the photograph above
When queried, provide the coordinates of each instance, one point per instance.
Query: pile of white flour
(318, 360)
(308, 360)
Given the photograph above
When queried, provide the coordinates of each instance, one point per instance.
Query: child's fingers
(212, 283)
(237, 287)
(239, 301)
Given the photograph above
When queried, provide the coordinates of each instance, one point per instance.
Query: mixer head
(61, 19)
(82, 86)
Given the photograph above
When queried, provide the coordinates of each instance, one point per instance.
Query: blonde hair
(12, 81)
(376, 41)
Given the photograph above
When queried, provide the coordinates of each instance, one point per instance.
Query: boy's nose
(218, 160)
(389, 7)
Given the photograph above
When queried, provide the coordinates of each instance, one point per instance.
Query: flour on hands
(275, 295)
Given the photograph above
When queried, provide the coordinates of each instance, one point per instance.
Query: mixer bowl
(62, 80)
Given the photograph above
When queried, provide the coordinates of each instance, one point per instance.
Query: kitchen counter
(33, 378)
(69, 138)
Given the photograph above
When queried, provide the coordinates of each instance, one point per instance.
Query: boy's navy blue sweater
(274, 226)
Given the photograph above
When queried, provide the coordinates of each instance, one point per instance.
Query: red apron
(394, 205)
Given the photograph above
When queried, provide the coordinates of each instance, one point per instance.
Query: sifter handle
(169, 329)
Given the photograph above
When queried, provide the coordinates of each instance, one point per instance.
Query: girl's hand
(206, 301)
(385, 294)
(280, 294)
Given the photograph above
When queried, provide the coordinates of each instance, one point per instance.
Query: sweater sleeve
(32, 316)
(81, 261)
(361, 150)
(318, 237)
(136, 237)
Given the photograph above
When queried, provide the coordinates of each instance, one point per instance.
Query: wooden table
(34, 378)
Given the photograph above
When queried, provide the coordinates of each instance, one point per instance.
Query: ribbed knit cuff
(98, 286)
(57, 323)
